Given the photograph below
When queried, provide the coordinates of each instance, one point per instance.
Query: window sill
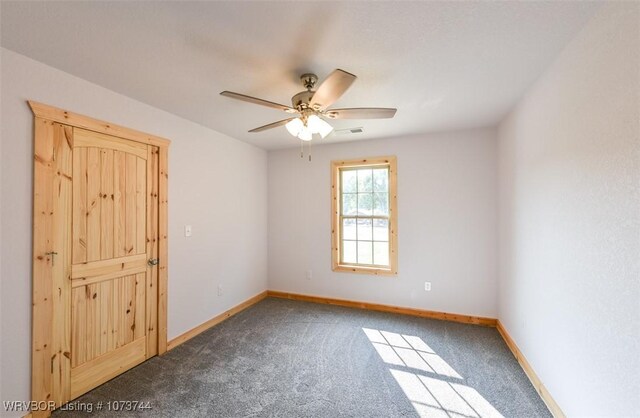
(364, 270)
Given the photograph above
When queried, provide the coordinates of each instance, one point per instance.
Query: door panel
(79, 247)
(119, 204)
(106, 315)
(109, 188)
(110, 279)
(130, 205)
(86, 138)
(106, 204)
(92, 196)
(106, 367)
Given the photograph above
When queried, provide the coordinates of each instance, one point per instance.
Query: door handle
(153, 261)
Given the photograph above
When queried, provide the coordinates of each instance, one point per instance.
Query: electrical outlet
(187, 230)
(219, 290)
(309, 274)
(427, 286)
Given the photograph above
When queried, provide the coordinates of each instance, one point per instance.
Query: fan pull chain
(301, 148)
(310, 151)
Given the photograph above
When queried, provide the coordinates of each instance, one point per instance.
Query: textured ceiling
(444, 65)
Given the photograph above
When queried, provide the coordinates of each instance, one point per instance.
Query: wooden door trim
(53, 134)
(52, 181)
(163, 247)
(77, 120)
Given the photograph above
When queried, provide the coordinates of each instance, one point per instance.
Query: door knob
(153, 261)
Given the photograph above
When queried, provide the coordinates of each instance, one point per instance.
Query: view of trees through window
(365, 215)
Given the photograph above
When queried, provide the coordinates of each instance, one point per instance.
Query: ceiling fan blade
(257, 101)
(361, 113)
(271, 125)
(332, 88)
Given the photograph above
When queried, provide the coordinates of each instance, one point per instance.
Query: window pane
(365, 180)
(349, 252)
(349, 181)
(380, 253)
(381, 180)
(365, 229)
(349, 204)
(349, 229)
(365, 204)
(381, 204)
(380, 230)
(365, 253)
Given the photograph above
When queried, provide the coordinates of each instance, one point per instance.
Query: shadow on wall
(444, 394)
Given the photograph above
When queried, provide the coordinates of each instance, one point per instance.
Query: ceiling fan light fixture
(313, 122)
(305, 134)
(294, 126)
(318, 126)
(324, 129)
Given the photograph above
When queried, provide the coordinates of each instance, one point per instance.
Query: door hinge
(53, 255)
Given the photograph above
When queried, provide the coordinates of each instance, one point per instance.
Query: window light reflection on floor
(431, 396)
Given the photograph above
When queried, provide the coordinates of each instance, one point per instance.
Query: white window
(364, 216)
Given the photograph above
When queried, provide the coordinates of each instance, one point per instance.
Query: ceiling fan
(311, 107)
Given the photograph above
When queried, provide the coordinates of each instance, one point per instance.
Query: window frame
(337, 166)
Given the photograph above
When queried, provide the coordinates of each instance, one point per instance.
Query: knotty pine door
(103, 259)
(112, 300)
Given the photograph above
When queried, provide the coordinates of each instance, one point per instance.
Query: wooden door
(100, 248)
(113, 299)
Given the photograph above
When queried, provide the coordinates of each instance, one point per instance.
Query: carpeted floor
(284, 358)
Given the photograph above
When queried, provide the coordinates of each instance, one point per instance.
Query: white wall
(216, 184)
(569, 158)
(447, 226)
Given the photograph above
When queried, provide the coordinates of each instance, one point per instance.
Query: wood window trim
(336, 166)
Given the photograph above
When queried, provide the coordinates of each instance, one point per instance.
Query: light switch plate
(187, 230)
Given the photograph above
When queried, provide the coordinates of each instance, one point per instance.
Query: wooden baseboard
(465, 319)
(554, 408)
(215, 320)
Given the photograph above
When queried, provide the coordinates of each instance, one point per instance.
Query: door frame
(46, 350)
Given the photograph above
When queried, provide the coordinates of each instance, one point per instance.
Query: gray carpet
(284, 358)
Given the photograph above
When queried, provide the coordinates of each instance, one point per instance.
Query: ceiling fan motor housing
(301, 100)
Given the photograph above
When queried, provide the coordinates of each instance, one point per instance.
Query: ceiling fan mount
(312, 106)
(309, 80)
